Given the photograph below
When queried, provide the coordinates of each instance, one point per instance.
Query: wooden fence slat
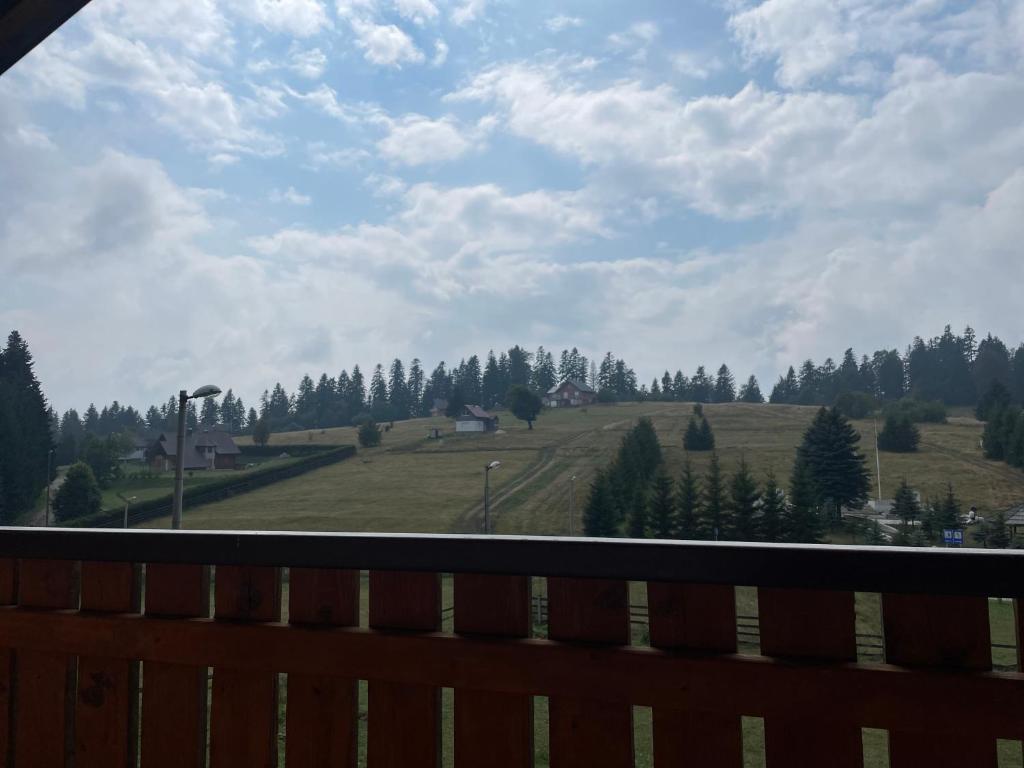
(938, 631)
(174, 697)
(404, 721)
(817, 626)
(322, 719)
(8, 596)
(243, 717)
(492, 729)
(106, 711)
(586, 733)
(44, 682)
(701, 618)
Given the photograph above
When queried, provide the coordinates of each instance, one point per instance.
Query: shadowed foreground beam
(24, 24)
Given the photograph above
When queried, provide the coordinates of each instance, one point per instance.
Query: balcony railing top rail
(978, 572)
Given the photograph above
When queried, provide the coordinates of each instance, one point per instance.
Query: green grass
(414, 484)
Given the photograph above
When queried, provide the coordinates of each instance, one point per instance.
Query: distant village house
(208, 449)
(569, 394)
(476, 419)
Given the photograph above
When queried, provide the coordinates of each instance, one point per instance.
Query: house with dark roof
(205, 449)
(476, 419)
(1015, 520)
(569, 394)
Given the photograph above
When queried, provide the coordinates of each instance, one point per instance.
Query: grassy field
(414, 484)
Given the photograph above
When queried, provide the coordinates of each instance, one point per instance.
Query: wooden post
(492, 729)
(243, 717)
(8, 596)
(810, 625)
(701, 618)
(946, 632)
(588, 733)
(404, 721)
(322, 726)
(174, 697)
(106, 713)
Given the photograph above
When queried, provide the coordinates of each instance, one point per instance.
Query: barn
(476, 419)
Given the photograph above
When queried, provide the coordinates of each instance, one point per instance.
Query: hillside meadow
(414, 484)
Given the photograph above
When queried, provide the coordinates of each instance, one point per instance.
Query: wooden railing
(82, 615)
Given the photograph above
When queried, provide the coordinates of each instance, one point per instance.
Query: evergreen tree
(1017, 376)
(714, 523)
(773, 510)
(662, 507)
(743, 503)
(725, 386)
(997, 535)
(356, 394)
(688, 504)
(873, 535)
(837, 469)
(991, 364)
(691, 437)
(251, 420)
(398, 395)
(519, 370)
(91, 421)
(456, 403)
(210, 413)
(890, 375)
(599, 516)
(787, 389)
(701, 386)
(638, 516)
(899, 435)
(227, 414)
(491, 390)
(707, 437)
(905, 505)
(803, 521)
(369, 434)
(79, 495)
(261, 430)
(414, 388)
(380, 406)
(544, 373)
(751, 392)
(995, 398)
(305, 402)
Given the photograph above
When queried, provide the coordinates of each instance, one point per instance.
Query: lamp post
(127, 500)
(487, 494)
(49, 470)
(572, 505)
(179, 465)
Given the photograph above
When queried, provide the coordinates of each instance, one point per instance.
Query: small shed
(476, 419)
(1015, 520)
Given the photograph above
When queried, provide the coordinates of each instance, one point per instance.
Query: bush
(78, 495)
(856, 405)
(369, 434)
(899, 435)
(918, 411)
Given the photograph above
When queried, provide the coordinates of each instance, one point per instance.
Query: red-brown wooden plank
(107, 702)
(173, 696)
(243, 718)
(936, 631)
(8, 596)
(404, 721)
(43, 681)
(587, 733)
(322, 725)
(699, 618)
(492, 729)
(810, 625)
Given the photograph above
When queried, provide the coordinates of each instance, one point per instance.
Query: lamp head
(494, 465)
(209, 390)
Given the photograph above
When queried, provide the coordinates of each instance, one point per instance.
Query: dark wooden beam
(24, 24)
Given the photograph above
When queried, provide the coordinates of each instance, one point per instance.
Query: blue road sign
(953, 536)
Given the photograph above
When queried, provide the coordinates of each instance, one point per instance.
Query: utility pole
(878, 464)
(49, 470)
(572, 505)
(487, 494)
(179, 462)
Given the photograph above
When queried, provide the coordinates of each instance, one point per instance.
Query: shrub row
(217, 490)
(300, 449)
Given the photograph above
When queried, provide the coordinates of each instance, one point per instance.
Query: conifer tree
(743, 503)
(905, 505)
(873, 535)
(997, 535)
(691, 437)
(773, 510)
(600, 517)
(725, 386)
(662, 517)
(899, 435)
(79, 495)
(837, 470)
(803, 521)
(688, 499)
(751, 391)
(707, 437)
(714, 522)
(210, 412)
(638, 516)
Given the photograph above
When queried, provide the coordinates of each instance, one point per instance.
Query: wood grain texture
(174, 696)
(694, 618)
(492, 729)
(8, 596)
(106, 709)
(404, 721)
(44, 682)
(810, 626)
(588, 733)
(322, 726)
(946, 633)
(243, 716)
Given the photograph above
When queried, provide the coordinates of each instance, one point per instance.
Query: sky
(244, 191)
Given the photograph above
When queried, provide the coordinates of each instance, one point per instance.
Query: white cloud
(468, 11)
(322, 156)
(418, 11)
(385, 44)
(563, 22)
(418, 140)
(290, 196)
(694, 65)
(440, 53)
(310, 64)
(298, 18)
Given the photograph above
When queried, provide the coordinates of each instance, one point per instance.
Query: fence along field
(414, 484)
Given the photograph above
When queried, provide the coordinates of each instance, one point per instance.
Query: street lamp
(179, 465)
(487, 494)
(127, 500)
(49, 470)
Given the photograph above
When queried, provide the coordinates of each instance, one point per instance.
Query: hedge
(217, 490)
(299, 449)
